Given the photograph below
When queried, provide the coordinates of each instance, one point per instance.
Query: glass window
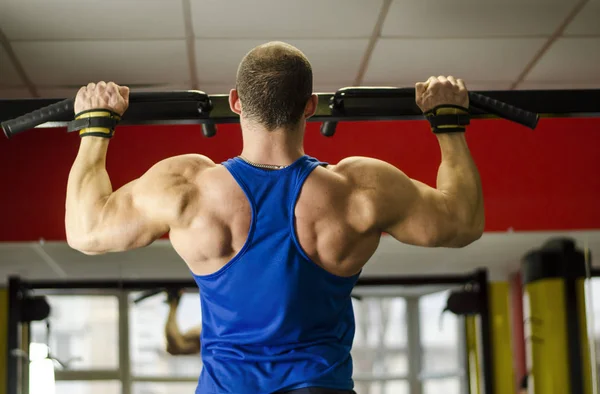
(380, 341)
(41, 374)
(382, 387)
(164, 388)
(446, 386)
(149, 356)
(593, 305)
(84, 333)
(88, 387)
(439, 335)
(396, 387)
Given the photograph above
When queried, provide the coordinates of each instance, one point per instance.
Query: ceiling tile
(276, 19)
(333, 61)
(225, 88)
(475, 18)
(482, 60)
(57, 92)
(329, 87)
(155, 261)
(21, 259)
(53, 92)
(217, 60)
(8, 74)
(587, 22)
(14, 93)
(17, 253)
(164, 88)
(74, 63)
(473, 85)
(569, 60)
(99, 20)
(222, 88)
(557, 86)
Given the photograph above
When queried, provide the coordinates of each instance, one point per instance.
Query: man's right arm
(450, 215)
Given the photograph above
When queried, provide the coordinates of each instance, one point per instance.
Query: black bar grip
(37, 117)
(57, 111)
(383, 97)
(504, 110)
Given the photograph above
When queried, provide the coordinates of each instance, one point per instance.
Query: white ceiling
(501, 253)
(61, 44)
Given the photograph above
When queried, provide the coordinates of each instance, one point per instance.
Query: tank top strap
(262, 185)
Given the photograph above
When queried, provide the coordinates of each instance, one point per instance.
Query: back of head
(274, 83)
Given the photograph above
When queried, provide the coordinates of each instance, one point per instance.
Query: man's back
(334, 224)
(272, 319)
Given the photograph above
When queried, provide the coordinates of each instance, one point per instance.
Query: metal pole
(14, 319)
(573, 336)
(24, 365)
(463, 355)
(486, 332)
(124, 356)
(415, 351)
(181, 284)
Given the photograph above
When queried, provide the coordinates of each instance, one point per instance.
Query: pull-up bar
(347, 104)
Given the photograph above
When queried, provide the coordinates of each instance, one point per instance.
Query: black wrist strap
(448, 119)
(95, 123)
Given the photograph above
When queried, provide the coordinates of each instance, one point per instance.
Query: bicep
(138, 213)
(128, 219)
(423, 217)
(409, 210)
(143, 210)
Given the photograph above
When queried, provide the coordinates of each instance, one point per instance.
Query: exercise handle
(37, 117)
(59, 110)
(504, 110)
(481, 102)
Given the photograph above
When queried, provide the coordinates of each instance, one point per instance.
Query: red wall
(547, 179)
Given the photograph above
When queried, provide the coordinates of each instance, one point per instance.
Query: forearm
(88, 189)
(458, 179)
(172, 334)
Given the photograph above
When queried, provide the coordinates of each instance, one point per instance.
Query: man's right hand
(441, 91)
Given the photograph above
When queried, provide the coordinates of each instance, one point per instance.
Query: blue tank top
(272, 319)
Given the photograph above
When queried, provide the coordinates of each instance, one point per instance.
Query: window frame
(414, 377)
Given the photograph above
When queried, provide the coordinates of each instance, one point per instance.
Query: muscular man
(275, 239)
(178, 343)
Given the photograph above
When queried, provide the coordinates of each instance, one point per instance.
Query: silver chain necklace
(263, 166)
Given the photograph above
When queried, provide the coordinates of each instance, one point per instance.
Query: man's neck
(278, 147)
